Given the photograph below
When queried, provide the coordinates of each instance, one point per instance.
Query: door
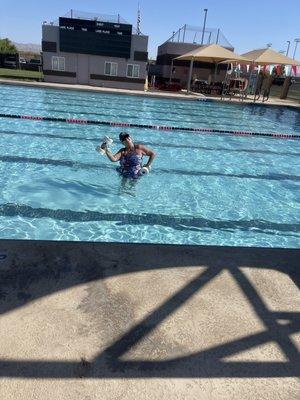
(83, 69)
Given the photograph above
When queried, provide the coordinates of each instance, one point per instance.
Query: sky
(247, 24)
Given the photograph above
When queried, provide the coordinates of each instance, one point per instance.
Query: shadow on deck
(30, 270)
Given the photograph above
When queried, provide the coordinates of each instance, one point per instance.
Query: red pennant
(294, 70)
(278, 69)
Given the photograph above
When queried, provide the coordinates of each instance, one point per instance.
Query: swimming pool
(203, 189)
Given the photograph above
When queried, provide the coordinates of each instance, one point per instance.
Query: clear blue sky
(247, 24)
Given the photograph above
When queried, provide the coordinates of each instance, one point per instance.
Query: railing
(193, 34)
(113, 18)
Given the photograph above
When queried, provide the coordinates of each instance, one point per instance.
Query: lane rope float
(157, 127)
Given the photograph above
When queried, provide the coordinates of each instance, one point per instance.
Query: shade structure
(212, 53)
(269, 57)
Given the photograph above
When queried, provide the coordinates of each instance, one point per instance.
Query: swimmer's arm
(113, 157)
(148, 153)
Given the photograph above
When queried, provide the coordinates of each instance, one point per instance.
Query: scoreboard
(95, 37)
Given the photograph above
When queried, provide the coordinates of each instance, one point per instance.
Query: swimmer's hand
(145, 170)
(101, 149)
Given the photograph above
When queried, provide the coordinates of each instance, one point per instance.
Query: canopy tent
(269, 57)
(212, 53)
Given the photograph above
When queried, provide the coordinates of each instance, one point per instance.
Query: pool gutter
(151, 94)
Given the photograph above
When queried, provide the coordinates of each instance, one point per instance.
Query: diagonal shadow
(266, 316)
(181, 223)
(160, 144)
(119, 259)
(81, 165)
(132, 337)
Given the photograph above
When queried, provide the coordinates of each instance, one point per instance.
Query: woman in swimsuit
(130, 157)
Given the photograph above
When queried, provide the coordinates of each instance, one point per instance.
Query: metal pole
(225, 81)
(218, 36)
(173, 36)
(215, 74)
(288, 48)
(179, 34)
(184, 28)
(190, 76)
(205, 14)
(71, 13)
(297, 41)
(256, 83)
(170, 79)
(209, 37)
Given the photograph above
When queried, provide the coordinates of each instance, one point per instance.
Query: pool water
(203, 188)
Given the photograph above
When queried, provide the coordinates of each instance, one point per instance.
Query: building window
(111, 68)
(133, 71)
(58, 63)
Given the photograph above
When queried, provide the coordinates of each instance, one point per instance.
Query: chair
(199, 86)
(238, 87)
(216, 88)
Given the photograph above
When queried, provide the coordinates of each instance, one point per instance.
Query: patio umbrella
(212, 53)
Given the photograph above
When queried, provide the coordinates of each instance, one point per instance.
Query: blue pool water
(203, 189)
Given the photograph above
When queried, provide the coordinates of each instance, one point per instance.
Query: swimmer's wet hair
(123, 136)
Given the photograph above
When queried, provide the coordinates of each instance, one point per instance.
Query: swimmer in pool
(130, 157)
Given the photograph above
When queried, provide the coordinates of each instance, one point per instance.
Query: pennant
(287, 70)
(294, 70)
(278, 69)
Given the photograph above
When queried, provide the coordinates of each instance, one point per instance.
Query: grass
(20, 74)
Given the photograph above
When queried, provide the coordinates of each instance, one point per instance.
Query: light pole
(204, 23)
(297, 41)
(288, 48)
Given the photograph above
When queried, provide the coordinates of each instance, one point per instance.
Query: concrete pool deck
(89, 321)
(151, 93)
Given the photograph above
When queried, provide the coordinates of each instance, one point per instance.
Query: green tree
(7, 47)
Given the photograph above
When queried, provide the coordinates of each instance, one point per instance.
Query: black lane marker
(156, 127)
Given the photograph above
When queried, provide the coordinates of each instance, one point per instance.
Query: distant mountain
(28, 47)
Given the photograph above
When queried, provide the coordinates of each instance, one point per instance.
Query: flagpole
(138, 23)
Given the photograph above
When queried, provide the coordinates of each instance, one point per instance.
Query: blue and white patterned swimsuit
(130, 165)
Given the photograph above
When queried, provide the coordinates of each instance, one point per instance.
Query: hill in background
(28, 47)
